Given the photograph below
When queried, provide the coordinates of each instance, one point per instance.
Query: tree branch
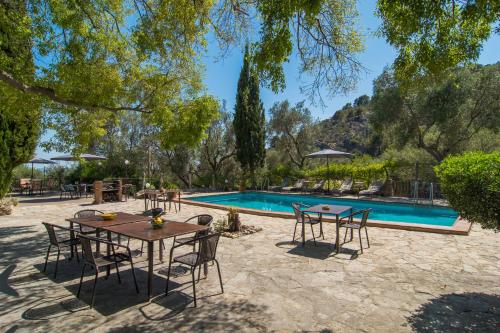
(51, 94)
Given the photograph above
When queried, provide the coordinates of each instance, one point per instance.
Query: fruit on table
(158, 220)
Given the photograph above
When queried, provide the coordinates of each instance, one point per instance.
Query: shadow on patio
(322, 250)
(214, 316)
(469, 312)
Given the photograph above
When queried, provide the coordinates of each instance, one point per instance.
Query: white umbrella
(329, 153)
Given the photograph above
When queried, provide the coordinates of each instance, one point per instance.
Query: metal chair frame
(349, 223)
(302, 217)
(87, 213)
(113, 259)
(206, 254)
(71, 243)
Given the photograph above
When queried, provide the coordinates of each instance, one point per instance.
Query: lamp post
(127, 162)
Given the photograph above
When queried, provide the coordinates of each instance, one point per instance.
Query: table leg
(303, 232)
(98, 244)
(145, 202)
(150, 269)
(108, 252)
(179, 196)
(321, 225)
(72, 236)
(337, 237)
(161, 250)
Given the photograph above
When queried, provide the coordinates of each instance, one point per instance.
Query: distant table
(144, 231)
(155, 195)
(99, 223)
(327, 210)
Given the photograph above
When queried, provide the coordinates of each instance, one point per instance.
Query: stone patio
(407, 281)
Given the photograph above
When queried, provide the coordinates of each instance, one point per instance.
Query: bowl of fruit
(157, 222)
(108, 216)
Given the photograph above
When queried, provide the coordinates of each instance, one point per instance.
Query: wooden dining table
(144, 231)
(100, 224)
(321, 210)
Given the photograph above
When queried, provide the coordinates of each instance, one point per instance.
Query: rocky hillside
(349, 130)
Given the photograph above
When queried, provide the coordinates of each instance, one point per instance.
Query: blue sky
(221, 75)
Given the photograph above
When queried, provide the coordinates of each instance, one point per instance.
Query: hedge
(471, 183)
(367, 172)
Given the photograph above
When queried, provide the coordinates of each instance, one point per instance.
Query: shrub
(471, 182)
(356, 170)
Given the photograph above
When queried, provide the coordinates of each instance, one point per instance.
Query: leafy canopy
(434, 36)
(19, 114)
(292, 130)
(441, 117)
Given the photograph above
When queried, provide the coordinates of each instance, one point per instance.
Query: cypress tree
(249, 120)
(19, 113)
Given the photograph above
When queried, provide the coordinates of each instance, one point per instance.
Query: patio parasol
(38, 160)
(329, 153)
(87, 157)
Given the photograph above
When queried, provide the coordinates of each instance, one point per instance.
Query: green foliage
(218, 149)
(405, 161)
(19, 114)
(249, 120)
(441, 117)
(326, 38)
(101, 58)
(292, 130)
(471, 183)
(434, 36)
(363, 169)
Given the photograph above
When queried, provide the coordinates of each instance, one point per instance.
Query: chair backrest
(205, 219)
(87, 249)
(36, 184)
(297, 211)
(207, 248)
(319, 185)
(87, 213)
(376, 185)
(364, 218)
(154, 212)
(52, 233)
(346, 185)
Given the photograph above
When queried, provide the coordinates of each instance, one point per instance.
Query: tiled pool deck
(407, 281)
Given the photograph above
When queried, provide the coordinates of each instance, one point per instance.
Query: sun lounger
(345, 188)
(374, 188)
(299, 185)
(318, 187)
(279, 188)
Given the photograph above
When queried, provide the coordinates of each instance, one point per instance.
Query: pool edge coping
(459, 227)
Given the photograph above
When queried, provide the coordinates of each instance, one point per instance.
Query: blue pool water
(382, 211)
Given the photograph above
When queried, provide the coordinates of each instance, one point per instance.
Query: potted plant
(6, 205)
(233, 220)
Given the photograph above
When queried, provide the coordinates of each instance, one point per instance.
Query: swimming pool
(381, 211)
